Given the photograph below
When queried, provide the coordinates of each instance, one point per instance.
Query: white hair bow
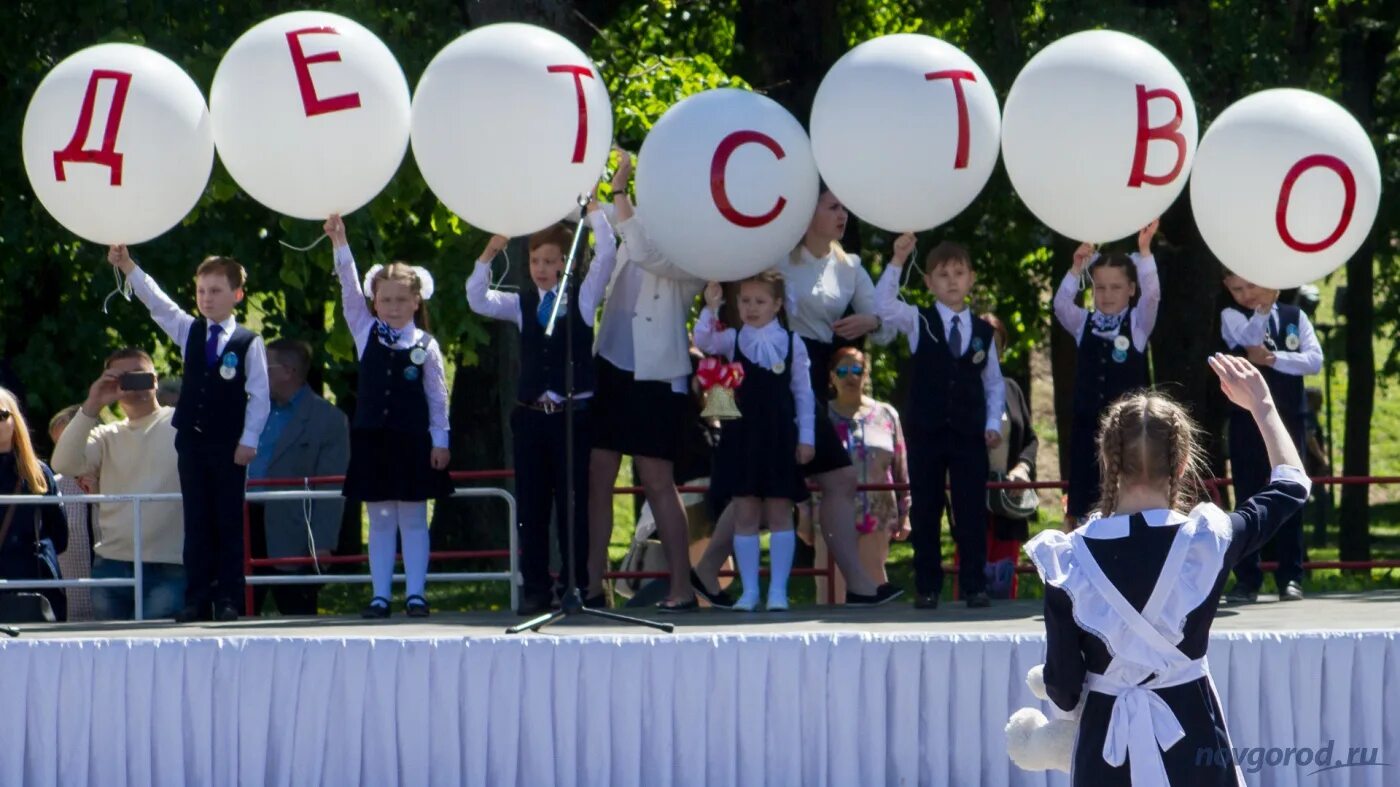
(425, 281)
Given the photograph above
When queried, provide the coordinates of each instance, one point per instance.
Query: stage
(815, 696)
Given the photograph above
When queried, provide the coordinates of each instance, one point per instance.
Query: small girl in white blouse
(760, 454)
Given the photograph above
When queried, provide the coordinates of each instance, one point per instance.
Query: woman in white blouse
(830, 302)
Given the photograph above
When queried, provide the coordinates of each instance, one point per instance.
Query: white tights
(410, 519)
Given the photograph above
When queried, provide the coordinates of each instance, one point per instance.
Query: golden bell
(720, 404)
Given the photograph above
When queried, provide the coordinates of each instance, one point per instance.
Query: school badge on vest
(979, 350)
(779, 367)
(418, 356)
(410, 373)
(228, 368)
(1120, 348)
(1291, 340)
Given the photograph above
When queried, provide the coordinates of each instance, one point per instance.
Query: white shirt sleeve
(645, 255)
(435, 387)
(1149, 299)
(1070, 314)
(1234, 329)
(995, 387)
(865, 302)
(171, 318)
(1256, 328)
(899, 317)
(352, 299)
(801, 385)
(259, 402)
(595, 284)
(489, 302)
(1307, 359)
(712, 341)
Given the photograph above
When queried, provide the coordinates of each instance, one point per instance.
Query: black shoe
(923, 601)
(683, 606)
(599, 601)
(225, 613)
(191, 613)
(721, 599)
(1239, 595)
(378, 608)
(978, 601)
(415, 606)
(1292, 592)
(884, 594)
(532, 604)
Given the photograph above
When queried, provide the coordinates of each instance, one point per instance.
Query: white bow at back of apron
(1142, 644)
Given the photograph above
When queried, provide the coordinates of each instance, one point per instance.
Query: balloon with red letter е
(117, 143)
(511, 124)
(1286, 187)
(1098, 135)
(310, 114)
(726, 184)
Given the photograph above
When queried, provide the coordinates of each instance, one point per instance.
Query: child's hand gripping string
(1082, 255)
(714, 296)
(335, 230)
(494, 246)
(1145, 237)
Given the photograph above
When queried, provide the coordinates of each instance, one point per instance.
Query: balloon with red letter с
(310, 114)
(1286, 187)
(117, 143)
(1098, 135)
(726, 184)
(511, 124)
(905, 131)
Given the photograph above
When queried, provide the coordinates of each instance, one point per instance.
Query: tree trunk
(787, 49)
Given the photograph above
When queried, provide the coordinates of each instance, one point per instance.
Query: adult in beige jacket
(135, 455)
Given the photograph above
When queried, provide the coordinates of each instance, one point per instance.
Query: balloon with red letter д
(1098, 135)
(1286, 187)
(311, 114)
(511, 124)
(726, 184)
(117, 143)
(905, 131)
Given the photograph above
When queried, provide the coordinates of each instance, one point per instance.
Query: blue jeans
(163, 590)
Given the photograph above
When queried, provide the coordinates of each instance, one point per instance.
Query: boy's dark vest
(542, 357)
(947, 392)
(1290, 397)
(1107, 368)
(212, 406)
(391, 394)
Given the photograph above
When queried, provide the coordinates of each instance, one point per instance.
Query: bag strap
(9, 514)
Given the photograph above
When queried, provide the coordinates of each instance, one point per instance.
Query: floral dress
(875, 441)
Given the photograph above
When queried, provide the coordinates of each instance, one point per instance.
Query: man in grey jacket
(305, 436)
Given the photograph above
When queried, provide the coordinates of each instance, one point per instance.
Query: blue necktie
(546, 308)
(211, 347)
(387, 336)
(955, 337)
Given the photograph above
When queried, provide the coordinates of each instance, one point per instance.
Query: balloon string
(123, 289)
(499, 283)
(908, 271)
(313, 244)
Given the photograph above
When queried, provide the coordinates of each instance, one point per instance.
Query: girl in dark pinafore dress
(759, 456)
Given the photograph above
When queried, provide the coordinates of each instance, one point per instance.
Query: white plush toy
(1036, 743)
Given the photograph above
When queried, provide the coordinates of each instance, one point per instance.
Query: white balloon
(1098, 135)
(310, 113)
(117, 143)
(905, 131)
(511, 124)
(726, 183)
(1285, 188)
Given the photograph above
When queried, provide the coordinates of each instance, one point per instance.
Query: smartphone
(138, 381)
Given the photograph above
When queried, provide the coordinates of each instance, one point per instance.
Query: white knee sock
(746, 552)
(383, 520)
(413, 531)
(782, 544)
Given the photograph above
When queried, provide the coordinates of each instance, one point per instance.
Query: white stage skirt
(713, 709)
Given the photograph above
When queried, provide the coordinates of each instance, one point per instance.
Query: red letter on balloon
(313, 104)
(1145, 134)
(107, 156)
(1348, 201)
(720, 162)
(581, 138)
(960, 161)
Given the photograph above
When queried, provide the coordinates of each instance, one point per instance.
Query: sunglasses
(4, 416)
(843, 371)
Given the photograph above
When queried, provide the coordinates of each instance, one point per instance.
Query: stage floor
(1375, 611)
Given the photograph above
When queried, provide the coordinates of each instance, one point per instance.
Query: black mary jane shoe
(684, 606)
(722, 599)
(415, 606)
(378, 608)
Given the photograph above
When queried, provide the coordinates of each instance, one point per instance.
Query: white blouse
(820, 289)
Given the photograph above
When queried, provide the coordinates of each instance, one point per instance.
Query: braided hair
(1147, 438)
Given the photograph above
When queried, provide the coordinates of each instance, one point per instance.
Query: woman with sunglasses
(22, 526)
(874, 440)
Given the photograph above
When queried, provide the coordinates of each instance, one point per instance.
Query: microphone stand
(571, 603)
(9, 631)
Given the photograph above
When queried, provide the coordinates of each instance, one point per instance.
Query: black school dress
(1106, 369)
(757, 455)
(1169, 569)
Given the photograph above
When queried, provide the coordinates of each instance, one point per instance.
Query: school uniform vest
(1288, 391)
(542, 358)
(947, 392)
(213, 401)
(1107, 368)
(390, 392)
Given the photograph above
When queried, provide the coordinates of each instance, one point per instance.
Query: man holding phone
(135, 455)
